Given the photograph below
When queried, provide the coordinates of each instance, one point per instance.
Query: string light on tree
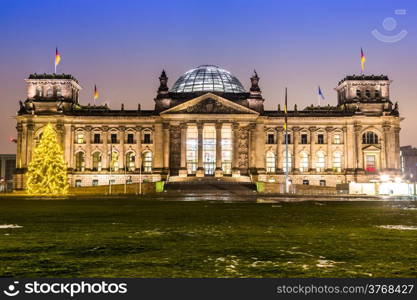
(47, 172)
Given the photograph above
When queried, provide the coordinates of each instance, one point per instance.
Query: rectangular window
(96, 139)
(270, 139)
(147, 138)
(226, 148)
(192, 149)
(95, 182)
(130, 138)
(320, 139)
(336, 139)
(289, 139)
(304, 139)
(306, 182)
(113, 138)
(322, 182)
(80, 138)
(370, 163)
(78, 183)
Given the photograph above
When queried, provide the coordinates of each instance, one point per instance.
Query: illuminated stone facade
(208, 126)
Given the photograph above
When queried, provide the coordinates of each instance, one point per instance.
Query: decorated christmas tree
(47, 172)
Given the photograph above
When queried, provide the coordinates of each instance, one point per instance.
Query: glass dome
(207, 78)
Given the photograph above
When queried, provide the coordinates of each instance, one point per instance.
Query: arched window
(320, 161)
(147, 162)
(130, 161)
(270, 162)
(303, 161)
(337, 161)
(284, 161)
(369, 137)
(97, 161)
(49, 93)
(114, 161)
(58, 91)
(79, 161)
(39, 91)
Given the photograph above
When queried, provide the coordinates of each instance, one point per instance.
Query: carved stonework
(210, 106)
(175, 149)
(243, 149)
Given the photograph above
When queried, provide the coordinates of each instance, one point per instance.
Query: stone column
(218, 171)
(235, 161)
(138, 150)
(158, 148)
(252, 148)
(397, 147)
(345, 149)
(166, 148)
(296, 138)
(19, 129)
(23, 146)
(88, 159)
(67, 145)
(260, 148)
(105, 161)
(183, 164)
(329, 154)
(122, 156)
(358, 143)
(30, 142)
(311, 159)
(279, 160)
(350, 144)
(200, 166)
(384, 146)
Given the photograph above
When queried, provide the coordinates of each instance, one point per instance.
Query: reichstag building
(208, 126)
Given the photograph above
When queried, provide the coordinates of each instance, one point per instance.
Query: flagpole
(286, 144)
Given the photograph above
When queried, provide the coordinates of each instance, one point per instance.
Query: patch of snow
(7, 226)
(398, 227)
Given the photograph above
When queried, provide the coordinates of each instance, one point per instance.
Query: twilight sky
(122, 46)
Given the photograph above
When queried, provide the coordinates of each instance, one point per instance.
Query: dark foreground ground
(127, 237)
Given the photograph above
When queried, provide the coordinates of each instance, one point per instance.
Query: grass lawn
(127, 237)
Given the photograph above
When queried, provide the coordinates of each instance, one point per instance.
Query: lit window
(270, 162)
(78, 183)
(337, 161)
(303, 162)
(96, 161)
(80, 138)
(336, 139)
(147, 162)
(284, 161)
(306, 182)
(114, 161)
(209, 149)
(79, 161)
(130, 161)
(320, 161)
(227, 149)
(192, 149)
(370, 163)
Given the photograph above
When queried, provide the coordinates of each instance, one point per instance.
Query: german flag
(57, 57)
(363, 60)
(95, 92)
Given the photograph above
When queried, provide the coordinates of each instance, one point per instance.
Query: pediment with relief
(209, 104)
